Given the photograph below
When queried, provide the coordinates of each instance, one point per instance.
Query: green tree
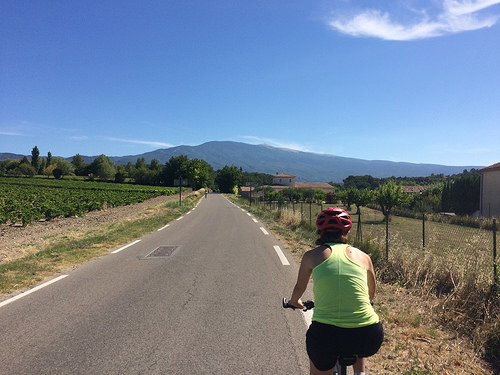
(175, 168)
(271, 195)
(228, 178)
(308, 195)
(200, 174)
(25, 168)
(141, 163)
(319, 195)
(259, 178)
(63, 167)
(41, 165)
(49, 158)
(154, 165)
(361, 182)
(360, 198)
(35, 158)
(78, 165)
(121, 174)
(388, 196)
(103, 167)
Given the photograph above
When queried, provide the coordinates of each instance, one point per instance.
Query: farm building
(490, 191)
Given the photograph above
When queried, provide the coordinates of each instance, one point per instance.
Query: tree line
(197, 173)
(457, 193)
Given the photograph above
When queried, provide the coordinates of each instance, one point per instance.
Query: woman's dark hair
(331, 237)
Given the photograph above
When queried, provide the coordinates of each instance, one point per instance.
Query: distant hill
(306, 166)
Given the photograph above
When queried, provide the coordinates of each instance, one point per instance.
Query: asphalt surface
(207, 301)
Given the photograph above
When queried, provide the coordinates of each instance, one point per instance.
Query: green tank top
(341, 291)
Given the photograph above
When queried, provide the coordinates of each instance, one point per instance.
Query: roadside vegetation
(458, 280)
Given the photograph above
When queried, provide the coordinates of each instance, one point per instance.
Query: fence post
(495, 274)
(359, 234)
(423, 231)
(387, 237)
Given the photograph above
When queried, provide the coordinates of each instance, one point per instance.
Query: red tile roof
(494, 167)
(313, 185)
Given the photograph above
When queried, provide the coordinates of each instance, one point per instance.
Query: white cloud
(457, 7)
(12, 134)
(149, 143)
(454, 16)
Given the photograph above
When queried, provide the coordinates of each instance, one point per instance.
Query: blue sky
(411, 81)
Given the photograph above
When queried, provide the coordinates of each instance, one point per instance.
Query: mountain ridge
(306, 166)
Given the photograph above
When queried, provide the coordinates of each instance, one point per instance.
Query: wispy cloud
(16, 134)
(453, 16)
(149, 143)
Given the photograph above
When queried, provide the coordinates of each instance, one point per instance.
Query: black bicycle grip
(308, 305)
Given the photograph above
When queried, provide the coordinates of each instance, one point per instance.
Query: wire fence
(452, 246)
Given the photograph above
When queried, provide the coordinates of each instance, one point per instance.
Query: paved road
(210, 307)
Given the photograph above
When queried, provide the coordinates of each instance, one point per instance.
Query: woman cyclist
(344, 320)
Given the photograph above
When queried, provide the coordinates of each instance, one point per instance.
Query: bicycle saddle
(347, 360)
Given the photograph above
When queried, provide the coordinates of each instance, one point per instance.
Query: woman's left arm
(303, 277)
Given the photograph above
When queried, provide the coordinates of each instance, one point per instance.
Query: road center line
(124, 247)
(32, 290)
(282, 256)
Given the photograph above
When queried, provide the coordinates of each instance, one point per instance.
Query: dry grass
(442, 315)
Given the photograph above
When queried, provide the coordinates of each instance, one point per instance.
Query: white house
(284, 179)
(490, 191)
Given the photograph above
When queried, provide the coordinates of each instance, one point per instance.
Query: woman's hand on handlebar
(296, 305)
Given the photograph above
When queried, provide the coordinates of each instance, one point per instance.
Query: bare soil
(414, 341)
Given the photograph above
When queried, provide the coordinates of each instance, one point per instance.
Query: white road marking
(179, 218)
(163, 227)
(255, 220)
(282, 256)
(124, 247)
(6, 302)
(264, 231)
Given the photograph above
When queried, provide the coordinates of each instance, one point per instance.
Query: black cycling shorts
(325, 341)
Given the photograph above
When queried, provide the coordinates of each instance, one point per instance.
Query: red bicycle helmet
(333, 220)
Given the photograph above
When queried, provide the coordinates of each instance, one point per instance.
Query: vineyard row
(28, 200)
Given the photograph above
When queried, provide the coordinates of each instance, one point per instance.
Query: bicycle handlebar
(308, 305)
